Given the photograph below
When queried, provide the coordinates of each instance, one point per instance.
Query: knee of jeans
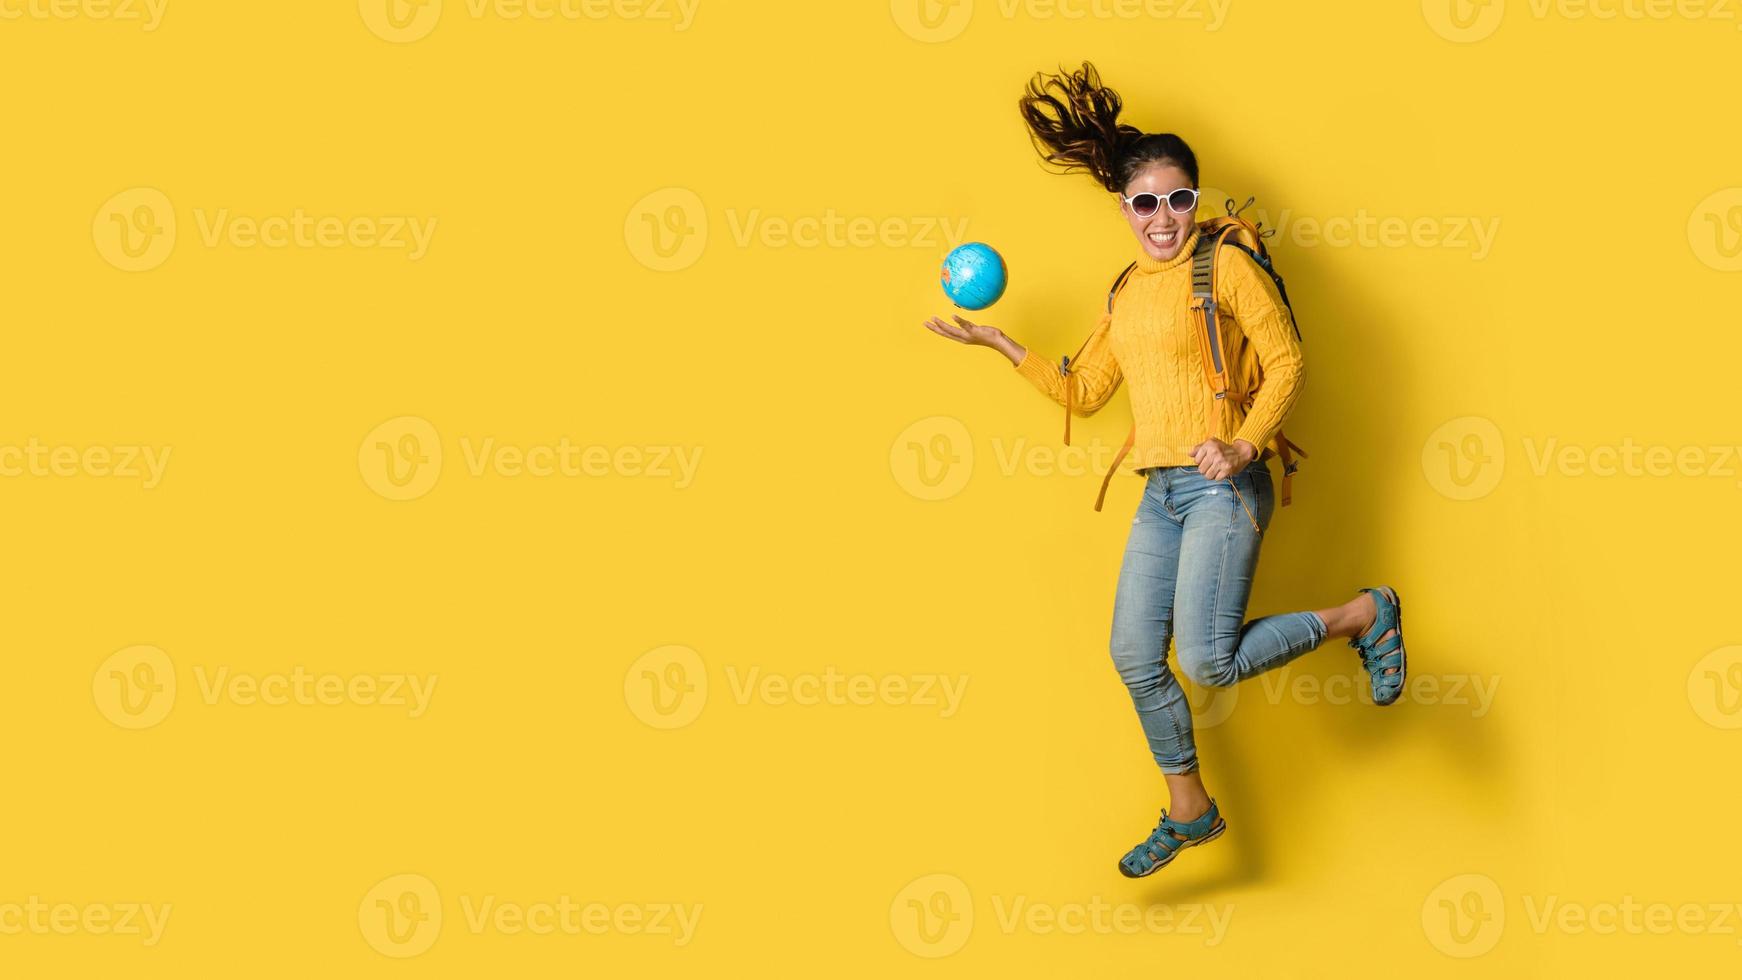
(1205, 667)
(1136, 655)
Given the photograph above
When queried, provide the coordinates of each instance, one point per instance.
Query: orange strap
(1065, 364)
(1070, 399)
(1286, 449)
(1130, 440)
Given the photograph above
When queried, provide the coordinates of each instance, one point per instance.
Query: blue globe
(974, 276)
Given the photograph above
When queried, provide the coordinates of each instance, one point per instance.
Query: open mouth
(1164, 238)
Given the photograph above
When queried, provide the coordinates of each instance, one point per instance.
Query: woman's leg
(1352, 618)
(1142, 624)
(1142, 627)
(1218, 558)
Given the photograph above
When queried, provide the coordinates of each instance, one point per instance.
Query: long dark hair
(1074, 122)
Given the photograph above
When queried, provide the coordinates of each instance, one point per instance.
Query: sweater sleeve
(1248, 293)
(1095, 374)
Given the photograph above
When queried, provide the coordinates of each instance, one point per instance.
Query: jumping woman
(1193, 549)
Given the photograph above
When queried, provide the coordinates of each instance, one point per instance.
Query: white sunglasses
(1144, 205)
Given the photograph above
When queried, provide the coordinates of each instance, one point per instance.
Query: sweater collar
(1184, 255)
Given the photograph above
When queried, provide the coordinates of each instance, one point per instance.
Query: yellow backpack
(1229, 229)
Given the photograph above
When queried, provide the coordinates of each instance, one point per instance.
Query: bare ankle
(1188, 811)
(1186, 797)
(1352, 618)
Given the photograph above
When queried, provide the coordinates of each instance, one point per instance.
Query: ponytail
(1073, 120)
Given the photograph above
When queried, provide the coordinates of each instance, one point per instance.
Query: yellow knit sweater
(1151, 342)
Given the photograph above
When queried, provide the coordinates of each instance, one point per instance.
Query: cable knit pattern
(1150, 341)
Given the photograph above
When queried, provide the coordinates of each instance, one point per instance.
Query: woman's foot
(1380, 645)
(1168, 839)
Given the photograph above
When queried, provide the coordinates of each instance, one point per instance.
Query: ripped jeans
(1187, 576)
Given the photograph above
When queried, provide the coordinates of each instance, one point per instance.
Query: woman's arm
(1093, 378)
(1250, 296)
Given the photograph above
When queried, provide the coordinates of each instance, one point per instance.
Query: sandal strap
(1170, 835)
(1193, 828)
(1167, 842)
(1390, 655)
(1385, 617)
(1380, 653)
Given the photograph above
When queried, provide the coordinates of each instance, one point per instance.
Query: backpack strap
(1130, 440)
(1204, 283)
(1118, 284)
(1286, 449)
(1204, 286)
(1065, 362)
(1263, 260)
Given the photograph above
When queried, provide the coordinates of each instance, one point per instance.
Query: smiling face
(1163, 233)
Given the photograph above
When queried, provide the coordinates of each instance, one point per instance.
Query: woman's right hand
(965, 331)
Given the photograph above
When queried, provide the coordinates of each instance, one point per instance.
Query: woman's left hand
(1218, 460)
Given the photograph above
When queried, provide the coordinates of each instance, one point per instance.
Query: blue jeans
(1187, 575)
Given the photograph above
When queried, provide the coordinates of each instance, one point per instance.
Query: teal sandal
(1378, 657)
(1168, 839)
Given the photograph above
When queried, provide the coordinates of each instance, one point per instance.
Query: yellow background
(1598, 776)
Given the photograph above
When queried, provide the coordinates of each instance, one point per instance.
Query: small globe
(974, 276)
